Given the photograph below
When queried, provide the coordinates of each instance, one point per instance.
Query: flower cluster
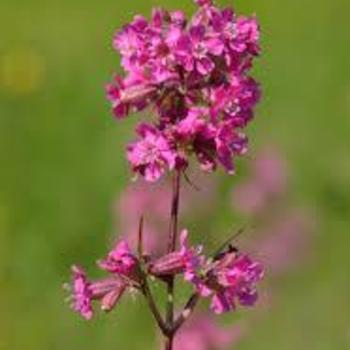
(229, 279)
(226, 278)
(123, 268)
(194, 74)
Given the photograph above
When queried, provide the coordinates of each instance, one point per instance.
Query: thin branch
(145, 287)
(190, 182)
(153, 307)
(187, 312)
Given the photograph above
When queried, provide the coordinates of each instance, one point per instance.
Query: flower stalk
(173, 229)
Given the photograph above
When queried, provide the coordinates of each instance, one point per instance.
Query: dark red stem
(173, 230)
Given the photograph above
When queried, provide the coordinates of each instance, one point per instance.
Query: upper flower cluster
(194, 75)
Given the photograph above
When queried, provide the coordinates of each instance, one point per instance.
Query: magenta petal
(110, 299)
(205, 65)
(221, 303)
(248, 297)
(82, 294)
(215, 46)
(168, 265)
(152, 155)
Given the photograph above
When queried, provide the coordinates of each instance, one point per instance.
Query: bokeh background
(62, 167)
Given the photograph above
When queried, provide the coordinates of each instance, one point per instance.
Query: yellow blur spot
(21, 71)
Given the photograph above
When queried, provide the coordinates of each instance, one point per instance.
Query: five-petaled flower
(151, 156)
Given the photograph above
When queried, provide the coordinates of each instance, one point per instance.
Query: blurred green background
(62, 165)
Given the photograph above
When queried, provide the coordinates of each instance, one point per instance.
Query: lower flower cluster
(123, 268)
(229, 278)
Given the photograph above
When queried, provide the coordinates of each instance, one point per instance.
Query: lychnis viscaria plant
(193, 75)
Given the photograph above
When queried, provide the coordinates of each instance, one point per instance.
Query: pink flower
(229, 143)
(108, 291)
(238, 279)
(82, 294)
(248, 35)
(124, 269)
(186, 260)
(230, 279)
(235, 101)
(196, 50)
(151, 156)
(211, 142)
(225, 24)
(203, 2)
(131, 94)
(131, 43)
(120, 260)
(193, 124)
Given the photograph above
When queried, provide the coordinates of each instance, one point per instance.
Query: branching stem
(169, 326)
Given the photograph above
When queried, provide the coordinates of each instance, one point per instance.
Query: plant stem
(153, 307)
(174, 212)
(173, 229)
(146, 291)
(186, 313)
(169, 342)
